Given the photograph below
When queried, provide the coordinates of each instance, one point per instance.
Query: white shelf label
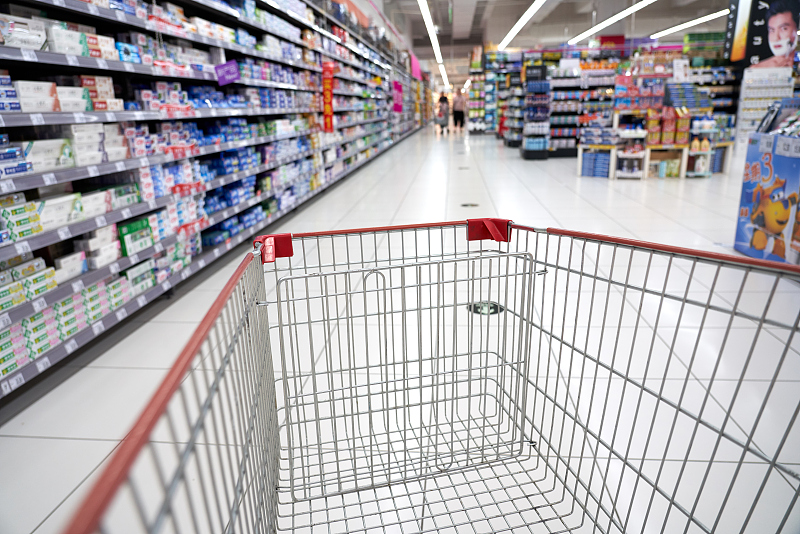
(134, 259)
(92, 9)
(158, 247)
(79, 117)
(765, 143)
(138, 116)
(126, 213)
(72, 60)
(92, 170)
(141, 301)
(5, 320)
(22, 247)
(98, 328)
(111, 116)
(783, 146)
(144, 162)
(166, 286)
(64, 233)
(201, 264)
(101, 63)
(37, 119)
(121, 314)
(42, 364)
(59, 3)
(152, 204)
(77, 286)
(13, 383)
(7, 186)
(39, 305)
(28, 55)
(120, 15)
(71, 346)
(49, 178)
(128, 66)
(217, 252)
(120, 166)
(185, 273)
(114, 268)
(100, 221)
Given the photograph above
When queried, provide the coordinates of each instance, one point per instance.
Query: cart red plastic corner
(477, 376)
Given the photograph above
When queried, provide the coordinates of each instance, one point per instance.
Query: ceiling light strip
(691, 23)
(611, 20)
(523, 20)
(426, 16)
(444, 76)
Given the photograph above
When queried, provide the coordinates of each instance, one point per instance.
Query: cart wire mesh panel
(475, 377)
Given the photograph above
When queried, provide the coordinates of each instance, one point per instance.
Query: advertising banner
(768, 227)
(397, 96)
(327, 96)
(762, 33)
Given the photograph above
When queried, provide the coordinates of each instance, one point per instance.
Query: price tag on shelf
(71, 346)
(28, 55)
(59, 3)
(100, 221)
(144, 162)
(23, 247)
(7, 186)
(121, 314)
(72, 60)
(795, 148)
(93, 171)
(126, 213)
(13, 383)
(128, 66)
(166, 285)
(138, 116)
(49, 178)
(64, 233)
(80, 118)
(92, 9)
(120, 166)
(201, 264)
(39, 305)
(5, 320)
(783, 146)
(120, 15)
(37, 119)
(134, 259)
(111, 116)
(217, 252)
(141, 301)
(765, 143)
(42, 364)
(101, 63)
(151, 204)
(114, 268)
(158, 247)
(185, 273)
(98, 328)
(213, 112)
(77, 286)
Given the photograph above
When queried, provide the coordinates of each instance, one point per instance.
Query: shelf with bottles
(475, 105)
(490, 104)
(760, 87)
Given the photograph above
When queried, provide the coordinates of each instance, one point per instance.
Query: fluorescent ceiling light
(426, 16)
(611, 20)
(467, 83)
(444, 76)
(523, 20)
(691, 23)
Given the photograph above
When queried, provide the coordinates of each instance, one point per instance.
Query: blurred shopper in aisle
(459, 105)
(443, 113)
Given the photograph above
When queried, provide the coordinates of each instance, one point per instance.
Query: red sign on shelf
(327, 95)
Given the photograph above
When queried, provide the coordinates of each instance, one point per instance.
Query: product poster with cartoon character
(769, 219)
(763, 33)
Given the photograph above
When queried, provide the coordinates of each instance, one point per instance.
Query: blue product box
(10, 105)
(10, 152)
(8, 93)
(768, 226)
(17, 168)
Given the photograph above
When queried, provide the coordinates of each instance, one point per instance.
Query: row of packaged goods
(596, 164)
(674, 126)
(32, 29)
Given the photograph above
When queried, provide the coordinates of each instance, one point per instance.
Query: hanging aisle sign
(327, 96)
(397, 96)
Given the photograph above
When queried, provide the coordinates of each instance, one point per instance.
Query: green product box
(13, 300)
(92, 289)
(39, 278)
(135, 236)
(11, 289)
(97, 316)
(42, 336)
(22, 221)
(47, 313)
(18, 210)
(72, 331)
(25, 232)
(12, 343)
(36, 350)
(11, 332)
(40, 289)
(144, 285)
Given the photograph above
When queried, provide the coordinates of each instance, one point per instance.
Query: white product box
(89, 158)
(23, 33)
(60, 210)
(96, 203)
(75, 105)
(108, 104)
(71, 261)
(39, 104)
(117, 153)
(29, 89)
(28, 268)
(74, 93)
(109, 249)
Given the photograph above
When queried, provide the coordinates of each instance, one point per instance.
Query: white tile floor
(54, 450)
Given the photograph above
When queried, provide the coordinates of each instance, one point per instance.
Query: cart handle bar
(280, 245)
(87, 519)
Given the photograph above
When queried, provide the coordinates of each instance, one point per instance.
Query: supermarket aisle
(53, 451)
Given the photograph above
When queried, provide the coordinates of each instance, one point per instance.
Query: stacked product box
(135, 236)
(101, 247)
(13, 350)
(70, 315)
(19, 219)
(9, 99)
(70, 266)
(41, 155)
(36, 278)
(19, 32)
(41, 333)
(79, 41)
(171, 261)
(141, 277)
(95, 302)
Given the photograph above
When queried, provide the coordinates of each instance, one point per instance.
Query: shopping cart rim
(86, 519)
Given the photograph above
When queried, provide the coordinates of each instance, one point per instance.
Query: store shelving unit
(536, 132)
(366, 107)
(566, 95)
(490, 101)
(514, 112)
(760, 88)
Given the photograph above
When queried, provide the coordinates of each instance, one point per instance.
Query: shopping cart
(472, 377)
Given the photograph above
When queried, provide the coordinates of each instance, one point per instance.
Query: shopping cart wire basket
(473, 377)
